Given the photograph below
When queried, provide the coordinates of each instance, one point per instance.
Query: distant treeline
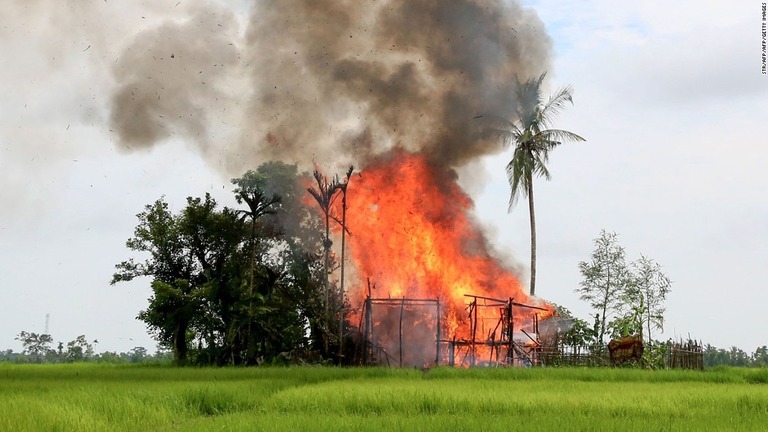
(734, 356)
(39, 348)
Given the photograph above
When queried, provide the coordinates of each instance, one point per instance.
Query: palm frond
(528, 132)
(499, 128)
(555, 104)
(518, 170)
(560, 135)
(540, 166)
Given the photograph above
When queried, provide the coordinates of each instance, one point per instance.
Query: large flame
(413, 237)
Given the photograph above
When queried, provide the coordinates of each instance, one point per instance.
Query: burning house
(437, 280)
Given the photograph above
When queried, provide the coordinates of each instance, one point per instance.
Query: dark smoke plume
(336, 81)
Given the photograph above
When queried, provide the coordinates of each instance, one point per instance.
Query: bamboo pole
(368, 332)
(510, 332)
(437, 338)
(343, 259)
(402, 306)
(473, 318)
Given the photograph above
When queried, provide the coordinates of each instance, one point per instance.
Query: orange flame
(412, 235)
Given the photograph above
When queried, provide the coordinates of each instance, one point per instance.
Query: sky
(669, 97)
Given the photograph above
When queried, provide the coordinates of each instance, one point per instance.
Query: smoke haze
(326, 80)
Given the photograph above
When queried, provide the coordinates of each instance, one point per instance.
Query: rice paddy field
(91, 397)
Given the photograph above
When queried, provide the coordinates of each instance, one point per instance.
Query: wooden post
(510, 332)
(343, 259)
(451, 353)
(368, 338)
(473, 317)
(493, 347)
(437, 339)
(402, 306)
(537, 346)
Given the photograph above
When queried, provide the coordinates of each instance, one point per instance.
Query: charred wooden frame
(501, 346)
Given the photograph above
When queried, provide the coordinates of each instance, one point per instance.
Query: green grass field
(142, 398)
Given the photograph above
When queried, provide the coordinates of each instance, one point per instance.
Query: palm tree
(325, 194)
(250, 190)
(343, 223)
(530, 134)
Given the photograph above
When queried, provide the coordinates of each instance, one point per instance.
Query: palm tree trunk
(343, 251)
(533, 234)
(249, 313)
(326, 283)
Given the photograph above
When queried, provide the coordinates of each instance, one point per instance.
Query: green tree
(646, 295)
(605, 279)
(217, 294)
(169, 315)
(231, 286)
(171, 267)
(760, 357)
(250, 191)
(343, 223)
(532, 137)
(189, 255)
(36, 346)
(296, 232)
(325, 194)
(137, 354)
(739, 357)
(287, 267)
(573, 331)
(625, 325)
(79, 350)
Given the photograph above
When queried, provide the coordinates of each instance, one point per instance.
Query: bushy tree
(760, 357)
(79, 350)
(605, 280)
(36, 346)
(629, 300)
(646, 295)
(230, 286)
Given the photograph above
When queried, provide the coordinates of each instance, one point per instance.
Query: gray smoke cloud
(172, 81)
(330, 81)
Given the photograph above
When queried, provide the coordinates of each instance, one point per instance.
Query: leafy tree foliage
(572, 331)
(36, 346)
(231, 286)
(735, 356)
(79, 350)
(628, 299)
(606, 279)
(36, 349)
(647, 293)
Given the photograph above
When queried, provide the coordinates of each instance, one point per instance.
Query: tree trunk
(249, 315)
(253, 255)
(648, 311)
(343, 250)
(602, 324)
(180, 343)
(326, 283)
(533, 234)
(605, 304)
